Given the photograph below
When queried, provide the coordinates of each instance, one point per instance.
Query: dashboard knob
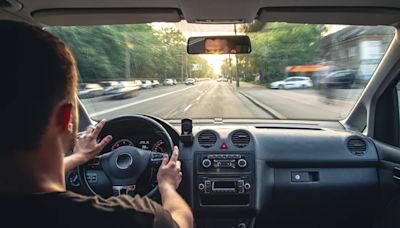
(206, 163)
(201, 186)
(247, 186)
(242, 163)
(242, 225)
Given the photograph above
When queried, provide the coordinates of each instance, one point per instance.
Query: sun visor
(69, 17)
(331, 15)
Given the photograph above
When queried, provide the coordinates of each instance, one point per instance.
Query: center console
(224, 188)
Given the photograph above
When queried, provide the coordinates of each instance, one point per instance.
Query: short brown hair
(37, 72)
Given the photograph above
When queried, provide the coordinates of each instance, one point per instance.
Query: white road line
(135, 103)
(199, 97)
(187, 108)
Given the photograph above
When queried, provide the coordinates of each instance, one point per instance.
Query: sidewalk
(295, 104)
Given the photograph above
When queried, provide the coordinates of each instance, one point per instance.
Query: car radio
(224, 185)
(224, 179)
(230, 161)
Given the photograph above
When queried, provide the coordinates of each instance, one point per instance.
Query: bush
(249, 78)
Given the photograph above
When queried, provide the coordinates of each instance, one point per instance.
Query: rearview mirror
(219, 45)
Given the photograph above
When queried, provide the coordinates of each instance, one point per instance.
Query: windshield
(295, 71)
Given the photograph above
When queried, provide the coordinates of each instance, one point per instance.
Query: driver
(39, 121)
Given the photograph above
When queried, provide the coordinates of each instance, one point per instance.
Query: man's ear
(65, 117)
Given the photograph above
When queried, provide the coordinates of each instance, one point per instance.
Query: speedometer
(122, 142)
(159, 146)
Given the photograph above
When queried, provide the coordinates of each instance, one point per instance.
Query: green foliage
(126, 52)
(278, 45)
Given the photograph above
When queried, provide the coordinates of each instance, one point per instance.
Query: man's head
(216, 46)
(38, 92)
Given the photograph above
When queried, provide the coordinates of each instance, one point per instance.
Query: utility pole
(127, 62)
(230, 68)
(237, 65)
(182, 67)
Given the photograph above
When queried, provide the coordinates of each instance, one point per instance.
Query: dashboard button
(201, 186)
(242, 163)
(206, 163)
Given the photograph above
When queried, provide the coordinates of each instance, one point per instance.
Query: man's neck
(31, 172)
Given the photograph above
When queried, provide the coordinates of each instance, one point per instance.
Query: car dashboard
(277, 175)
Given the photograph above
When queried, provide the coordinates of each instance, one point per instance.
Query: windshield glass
(295, 71)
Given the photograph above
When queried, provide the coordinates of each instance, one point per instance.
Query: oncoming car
(253, 153)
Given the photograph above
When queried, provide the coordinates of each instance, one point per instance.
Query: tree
(278, 45)
(120, 52)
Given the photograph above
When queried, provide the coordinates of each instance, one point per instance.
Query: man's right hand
(169, 175)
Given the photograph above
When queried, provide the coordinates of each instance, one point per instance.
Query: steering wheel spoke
(95, 163)
(125, 189)
(156, 159)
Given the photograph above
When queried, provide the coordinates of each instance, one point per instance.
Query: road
(211, 99)
(305, 103)
(207, 99)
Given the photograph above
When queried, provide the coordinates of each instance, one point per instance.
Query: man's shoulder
(68, 209)
(122, 210)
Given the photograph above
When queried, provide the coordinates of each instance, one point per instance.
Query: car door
(387, 142)
(290, 83)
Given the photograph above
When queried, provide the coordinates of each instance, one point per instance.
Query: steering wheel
(127, 167)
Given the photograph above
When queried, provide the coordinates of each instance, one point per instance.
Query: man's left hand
(87, 147)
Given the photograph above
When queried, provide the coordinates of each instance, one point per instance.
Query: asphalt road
(305, 103)
(204, 100)
(211, 99)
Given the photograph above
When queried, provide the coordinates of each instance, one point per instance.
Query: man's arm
(169, 177)
(86, 147)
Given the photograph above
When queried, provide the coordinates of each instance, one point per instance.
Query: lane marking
(135, 103)
(199, 97)
(187, 108)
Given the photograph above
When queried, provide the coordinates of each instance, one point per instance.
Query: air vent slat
(240, 139)
(357, 146)
(207, 139)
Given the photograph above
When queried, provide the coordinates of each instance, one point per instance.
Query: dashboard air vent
(240, 139)
(207, 139)
(357, 146)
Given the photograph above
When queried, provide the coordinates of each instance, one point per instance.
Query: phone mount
(186, 136)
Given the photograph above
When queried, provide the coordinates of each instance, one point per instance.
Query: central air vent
(357, 146)
(207, 139)
(240, 139)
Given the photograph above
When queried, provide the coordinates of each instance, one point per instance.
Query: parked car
(89, 90)
(110, 87)
(126, 89)
(190, 81)
(222, 79)
(138, 83)
(155, 83)
(293, 83)
(147, 84)
(340, 79)
(168, 82)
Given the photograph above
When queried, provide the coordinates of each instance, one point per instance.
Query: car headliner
(91, 12)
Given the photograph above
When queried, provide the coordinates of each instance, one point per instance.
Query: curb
(275, 114)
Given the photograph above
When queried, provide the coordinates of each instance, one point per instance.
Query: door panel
(388, 214)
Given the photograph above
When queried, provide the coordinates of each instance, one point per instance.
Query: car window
(142, 53)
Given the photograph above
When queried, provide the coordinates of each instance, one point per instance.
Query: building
(356, 47)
